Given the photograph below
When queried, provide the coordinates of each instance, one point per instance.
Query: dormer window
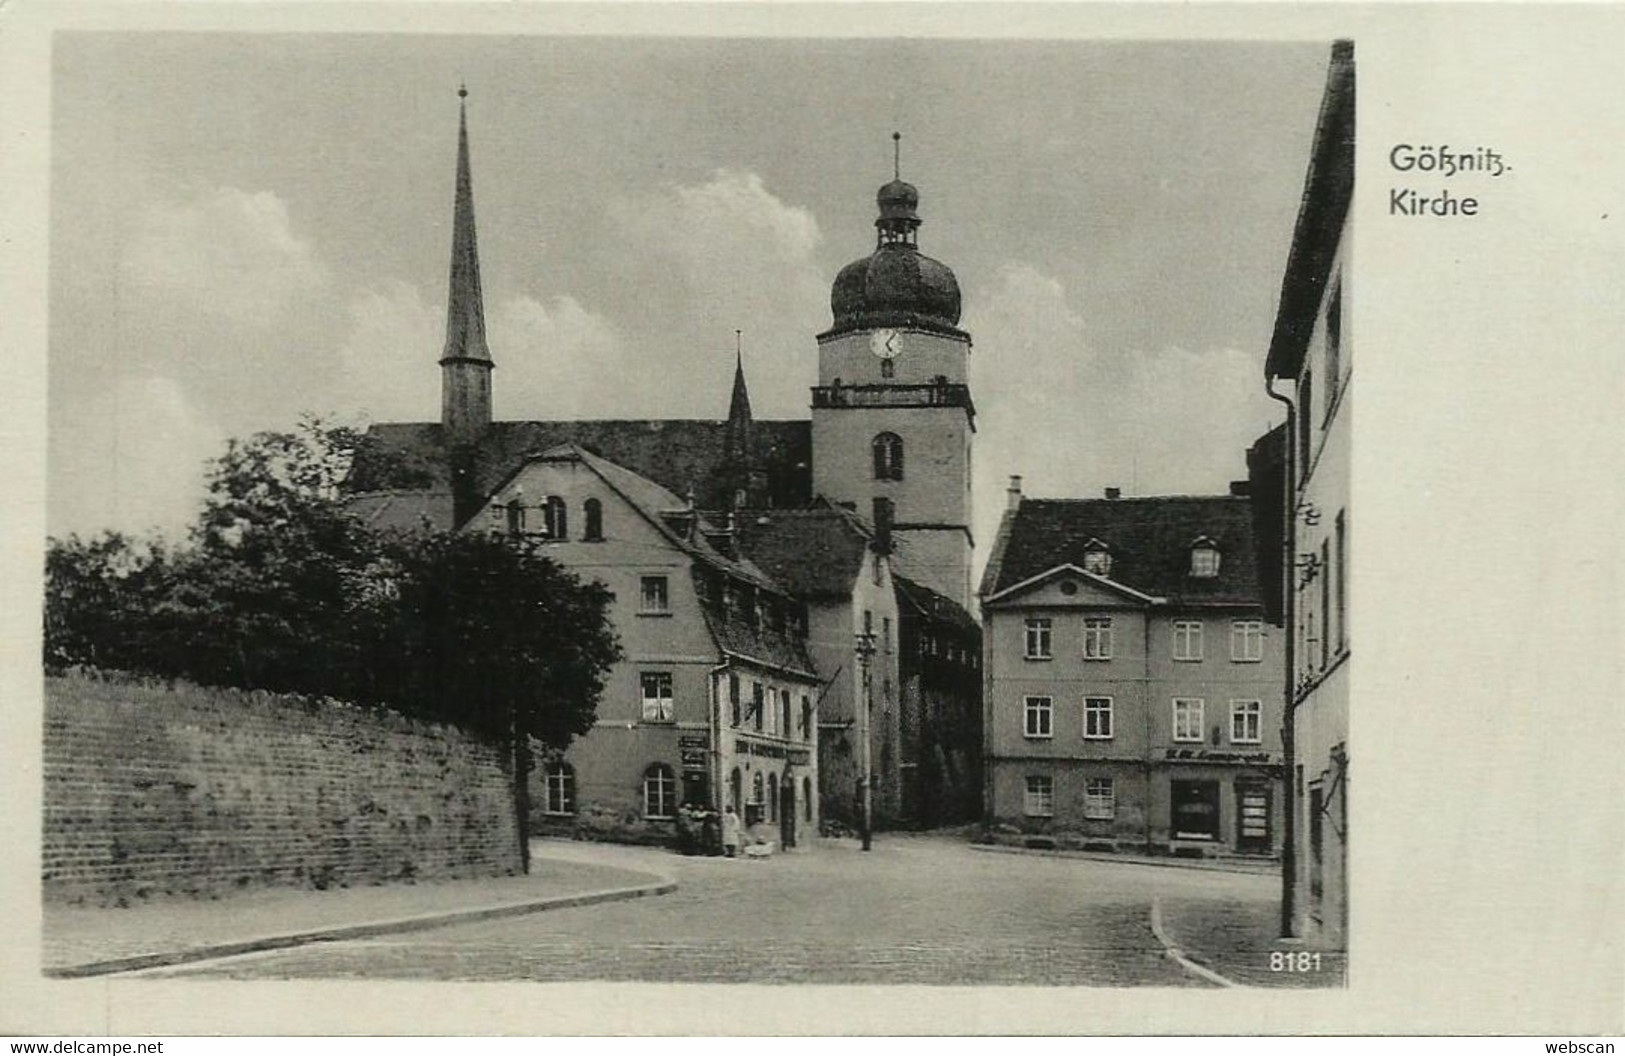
(1204, 559)
(1097, 558)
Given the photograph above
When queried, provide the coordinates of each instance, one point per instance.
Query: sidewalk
(1259, 867)
(93, 941)
(1236, 938)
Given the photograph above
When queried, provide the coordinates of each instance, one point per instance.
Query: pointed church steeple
(739, 404)
(744, 481)
(465, 364)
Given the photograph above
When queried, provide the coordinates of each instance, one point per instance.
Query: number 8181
(1294, 962)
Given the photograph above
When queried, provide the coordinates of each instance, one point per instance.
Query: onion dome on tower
(896, 285)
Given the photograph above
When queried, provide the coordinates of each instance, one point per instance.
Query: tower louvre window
(888, 453)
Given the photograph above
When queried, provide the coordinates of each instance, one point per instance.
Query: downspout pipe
(1289, 702)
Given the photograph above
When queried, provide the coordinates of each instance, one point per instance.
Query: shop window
(559, 788)
(659, 792)
(1195, 809)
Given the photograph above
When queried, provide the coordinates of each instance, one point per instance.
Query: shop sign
(694, 758)
(689, 741)
(1208, 755)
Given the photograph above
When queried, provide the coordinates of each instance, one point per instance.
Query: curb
(354, 931)
(1178, 955)
(1124, 859)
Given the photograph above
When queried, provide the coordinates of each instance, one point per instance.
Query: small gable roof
(1150, 541)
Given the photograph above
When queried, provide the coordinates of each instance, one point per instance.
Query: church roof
(678, 454)
(1149, 539)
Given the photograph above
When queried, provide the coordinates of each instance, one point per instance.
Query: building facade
(1133, 689)
(1310, 368)
(940, 710)
(724, 691)
(714, 702)
(832, 560)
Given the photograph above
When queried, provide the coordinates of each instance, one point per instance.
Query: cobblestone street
(917, 909)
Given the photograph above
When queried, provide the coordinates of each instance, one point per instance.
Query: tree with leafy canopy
(279, 588)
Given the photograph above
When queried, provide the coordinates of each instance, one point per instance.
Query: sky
(245, 228)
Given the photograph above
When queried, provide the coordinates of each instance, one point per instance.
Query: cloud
(556, 360)
(713, 257)
(1073, 418)
(387, 362)
(227, 253)
(133, 459)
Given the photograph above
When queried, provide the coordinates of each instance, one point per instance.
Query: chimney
(1241, 488)
(883, 525)
(1114, 493)
(1014, 491)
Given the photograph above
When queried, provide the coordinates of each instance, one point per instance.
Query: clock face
(884, 343)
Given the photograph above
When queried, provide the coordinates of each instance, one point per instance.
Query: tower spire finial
(897, 155)
(739, 348)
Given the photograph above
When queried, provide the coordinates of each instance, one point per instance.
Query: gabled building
(714, 703)
(1133, 696)
(1304, 469)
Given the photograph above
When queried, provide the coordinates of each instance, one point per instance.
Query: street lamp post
(866, 652)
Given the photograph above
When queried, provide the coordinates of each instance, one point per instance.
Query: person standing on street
(730, 832)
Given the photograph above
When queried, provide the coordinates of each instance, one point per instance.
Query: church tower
(892, 417)
(465, 365)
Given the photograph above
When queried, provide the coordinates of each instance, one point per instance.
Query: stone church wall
(155, 791)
